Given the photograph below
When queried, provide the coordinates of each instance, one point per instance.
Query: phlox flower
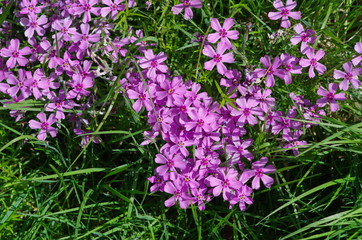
(312, 62)
(201, 197)
(303, 36)
(62, 26)
(34, 24)
(142, 95)
(218, 57)
(85, 38)
(15, 54)
(330, 97)
(265, 102)
(270, 70)
(21, 84)
(223, 32)
(259, 172)
(289, 65)
(173, 91)
(113, 8)
(247, 110)
(86, 7)
(187, 4)
(201, 120)
(44, 125)
(59, 104)
(225, 180)
(170, 162)
(242, 196)
(284, 12)
(179, 191)
(79, 85)
(153, 63)
(238, 150)
(292, 138)
(349, 76)
(29, 7)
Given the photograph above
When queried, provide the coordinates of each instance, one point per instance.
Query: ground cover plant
(180, 119)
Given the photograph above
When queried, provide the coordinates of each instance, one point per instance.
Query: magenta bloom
(34, 25)
(187, 4)
(142, 96)
(29, 7)
(179, 191)
(242, 196)
(63, 28)
(289, 65)
(153, 63)
(305, 37)
(270, 70)
(312, 61)
(85, 38)
(259, 171)
(223, 32)
(86, 7)
(349, 76)
(225, 182)
(15, 54)
(330, 97)
(79, 86)
(113, 8)
(218, 57)
(247, 110)
(284, 12)
(44, 125)
(292, 138)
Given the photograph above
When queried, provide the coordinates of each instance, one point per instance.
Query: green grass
(58, 190)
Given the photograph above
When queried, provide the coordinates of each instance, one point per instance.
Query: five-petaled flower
(284, 12)
(187, 4)
(44, 125)
(218, 57)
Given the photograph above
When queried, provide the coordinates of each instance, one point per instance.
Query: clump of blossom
(223, 33)
(304, 36)
(44, 125)
(330, 96)
(186, 5)
(218, 57)
(284, 12)
(312, 62)
(349, 76)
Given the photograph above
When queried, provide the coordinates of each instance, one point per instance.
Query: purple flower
(303, 36)
(113, 8)
(179, 192)
(312, 61)
(259, 172)
(289, 65)
(173, 91)
(270, 70)
(350, 76)
(79, 86)
(84, 38)
(64, 29)
(15, 55)
(223, 32)
(59, 104)
(19, 84)
(29, 7)
(237, 150)
(44, 125)
(242, 196)
(265, 102)
(187, 4)
(86, 7)
(153, 63)
(247, 110)
(225, 181)
(143, 96)
(284, 12)
(218, 57)
(170, 162)
(34, 24)
(330, 97)
(292, 138)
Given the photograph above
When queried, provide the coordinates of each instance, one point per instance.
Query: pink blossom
(284, 12)
(349, 76)
(330, 97)
(218, 57)
(303, 36)
(223, 32)
(259, 172)
(15, 54)
(44, 125)
(187, 4)
(312, 61)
